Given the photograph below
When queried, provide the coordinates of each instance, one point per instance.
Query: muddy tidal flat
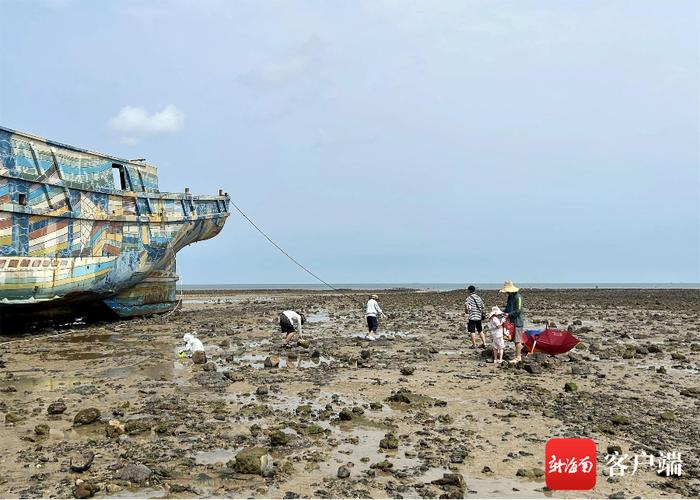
(110, 410)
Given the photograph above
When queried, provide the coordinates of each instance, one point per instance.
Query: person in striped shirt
(474, 309)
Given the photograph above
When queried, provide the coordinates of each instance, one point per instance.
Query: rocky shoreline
(109, 409)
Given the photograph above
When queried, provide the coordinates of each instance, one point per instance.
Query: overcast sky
(389, 141)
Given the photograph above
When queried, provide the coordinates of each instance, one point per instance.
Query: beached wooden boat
(81, 230)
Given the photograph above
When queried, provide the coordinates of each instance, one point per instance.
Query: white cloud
(135, 122)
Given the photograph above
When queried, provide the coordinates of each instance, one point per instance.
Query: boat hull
(69, 236)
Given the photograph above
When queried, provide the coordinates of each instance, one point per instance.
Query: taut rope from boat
(303, 267)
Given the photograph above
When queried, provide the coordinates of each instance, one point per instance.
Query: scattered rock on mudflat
(209, 366)
(86, 416)
(532, 368)
(138, 425)
(621, 420)
(452, 484)
(86, 489)
(135, 473)
(80, 462)
(303, 410)
(251, 461)
(233, 376)
(278, 438)
(312, 430)
(271, 362)
(42, 430)
(408, 370)
(570, 387)
(263, 390)
(12, 418)
(199, 357)
(114, 428)
(390, 442)
(56, 408)
(450, 478)
(384, 465)
(667, 415)
(343, 472)
(691, 392)
(345, 414)
(532, 473)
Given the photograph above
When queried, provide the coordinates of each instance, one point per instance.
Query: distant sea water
(442, 287)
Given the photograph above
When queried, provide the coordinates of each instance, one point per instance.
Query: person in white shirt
(192, 344)
(496, 322)
(287, 319)
(373, 311)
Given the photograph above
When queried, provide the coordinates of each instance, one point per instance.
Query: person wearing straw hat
(372, 313)
(496, 321)
(514, 312)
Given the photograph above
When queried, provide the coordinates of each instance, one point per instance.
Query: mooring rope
(307, 270)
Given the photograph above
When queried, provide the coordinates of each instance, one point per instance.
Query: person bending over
(287, 320)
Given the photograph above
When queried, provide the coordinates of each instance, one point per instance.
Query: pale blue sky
(389, 141)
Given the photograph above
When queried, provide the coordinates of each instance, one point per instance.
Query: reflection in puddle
(139, 493)
(360, 446)
(174, 371)
(87, 337)
(80, 355)
(502, 488)
(674, 369)
(318, 317)
(43, 383)
(215, 456)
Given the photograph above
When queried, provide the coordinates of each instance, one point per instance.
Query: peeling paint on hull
(78, 227)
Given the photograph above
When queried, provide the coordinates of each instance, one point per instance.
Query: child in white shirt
(496, 322)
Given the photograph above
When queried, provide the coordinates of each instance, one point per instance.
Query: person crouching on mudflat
(373, 311)
(287, 319)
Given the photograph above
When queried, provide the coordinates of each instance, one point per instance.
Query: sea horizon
(437, 286)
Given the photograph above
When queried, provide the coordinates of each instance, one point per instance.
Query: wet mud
(110, 410)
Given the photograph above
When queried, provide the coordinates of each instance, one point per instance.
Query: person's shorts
(285, 324)
(518, 336)
(474, 325)
(372, 323)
